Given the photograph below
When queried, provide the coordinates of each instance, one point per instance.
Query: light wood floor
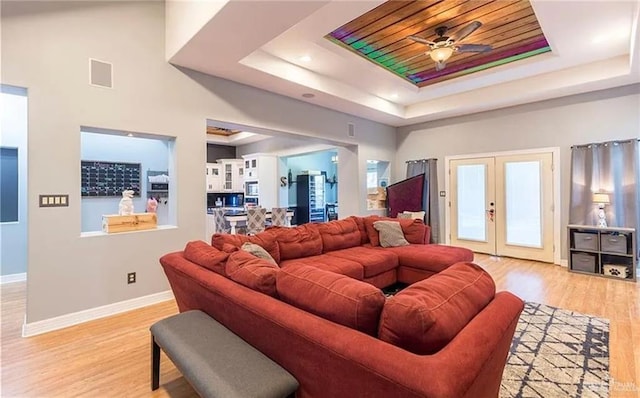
(110, 357)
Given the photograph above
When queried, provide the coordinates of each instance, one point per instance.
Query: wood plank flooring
(110, 357)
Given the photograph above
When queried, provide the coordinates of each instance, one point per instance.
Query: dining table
(241, 216)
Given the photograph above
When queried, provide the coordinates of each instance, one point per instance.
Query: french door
(503, 205)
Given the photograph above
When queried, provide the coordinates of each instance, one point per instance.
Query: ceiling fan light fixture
(441, 54)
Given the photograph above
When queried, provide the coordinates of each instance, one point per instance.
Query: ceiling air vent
(100, 73)
(352, 130)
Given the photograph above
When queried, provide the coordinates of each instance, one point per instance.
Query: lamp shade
(441, 54)
(600, 197)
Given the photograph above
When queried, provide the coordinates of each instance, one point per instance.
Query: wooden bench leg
(155, 364)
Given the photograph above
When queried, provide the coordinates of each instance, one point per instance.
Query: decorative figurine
(126, 203)
(152, 205)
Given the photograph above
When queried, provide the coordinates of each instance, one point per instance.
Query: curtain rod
(604, 143)
(420, 160)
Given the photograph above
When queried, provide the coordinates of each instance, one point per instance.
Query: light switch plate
(443, 194)
(53, 200)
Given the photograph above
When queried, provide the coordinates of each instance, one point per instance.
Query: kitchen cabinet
(261, 180)
(213, 177)
(232, 171)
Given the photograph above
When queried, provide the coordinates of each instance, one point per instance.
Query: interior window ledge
(90, 234)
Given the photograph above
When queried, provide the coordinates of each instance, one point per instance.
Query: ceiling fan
(443, 47)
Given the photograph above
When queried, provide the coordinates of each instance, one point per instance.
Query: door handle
(490, 214)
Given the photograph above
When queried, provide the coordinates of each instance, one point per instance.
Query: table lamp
(601, 199)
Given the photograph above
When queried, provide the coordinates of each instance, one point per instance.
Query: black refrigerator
(310, 198)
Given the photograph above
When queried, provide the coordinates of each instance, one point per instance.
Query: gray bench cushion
(218, 363)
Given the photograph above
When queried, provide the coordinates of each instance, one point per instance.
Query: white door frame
(555, 153)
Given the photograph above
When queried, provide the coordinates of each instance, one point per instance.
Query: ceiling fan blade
(473, 48)
(421, 40)
(466, 31)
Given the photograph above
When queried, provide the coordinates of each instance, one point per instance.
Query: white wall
(606, 115)
(13, 128)
(46, 47)
(152, 154)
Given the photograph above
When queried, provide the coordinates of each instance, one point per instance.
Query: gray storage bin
(613, 243)
(584, 262)
(585, 241)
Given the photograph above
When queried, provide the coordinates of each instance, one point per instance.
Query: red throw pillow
(206, 256)
(335, 297)
(414, 230)
(253, 272)
(427, 315)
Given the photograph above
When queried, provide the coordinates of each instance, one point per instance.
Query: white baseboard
(63, 321)
(11, 278)
(564, 263)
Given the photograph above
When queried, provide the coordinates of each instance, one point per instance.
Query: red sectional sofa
(320, 314)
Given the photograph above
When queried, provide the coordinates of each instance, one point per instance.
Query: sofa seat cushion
(205, 255)
(342, 266)
(373, 261)
(339, 234)
(335, 297)
(414, 230)
(264, 240)
(427, 315)
(253, 272)
(297, 242)
(434, 258)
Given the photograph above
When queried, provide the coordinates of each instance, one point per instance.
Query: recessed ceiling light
(308, 95)
(305, 58)
(394, 96)
(130, 135)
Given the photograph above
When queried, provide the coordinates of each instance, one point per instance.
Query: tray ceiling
(381, 36)
(284, 48)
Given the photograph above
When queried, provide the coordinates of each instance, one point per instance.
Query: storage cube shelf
(609, 252)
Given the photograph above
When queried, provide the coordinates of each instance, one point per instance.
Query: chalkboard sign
(109, 178)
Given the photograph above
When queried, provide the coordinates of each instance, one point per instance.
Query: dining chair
(220, 225)
(256, 220)
(279, 217)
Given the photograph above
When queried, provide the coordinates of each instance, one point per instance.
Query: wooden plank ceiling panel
(381, 35)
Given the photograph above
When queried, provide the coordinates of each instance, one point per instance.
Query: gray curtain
(611, 167)
(430, 192)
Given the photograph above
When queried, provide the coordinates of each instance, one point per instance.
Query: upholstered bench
(215, 361)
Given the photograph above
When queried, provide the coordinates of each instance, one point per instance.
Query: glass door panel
(471, 193)
(472, 221)
(522, 193)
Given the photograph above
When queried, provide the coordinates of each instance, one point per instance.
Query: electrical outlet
(131, 277)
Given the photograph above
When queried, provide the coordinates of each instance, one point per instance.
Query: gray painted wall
(606, 115)
(13, 235)
(46, 47)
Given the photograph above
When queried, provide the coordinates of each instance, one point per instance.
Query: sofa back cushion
(427, 315)
(364, 238)
(414, 230)
(263, 239)
(339, 234)
(335, 297)
(253, 272)
(301, 241)
(206, 256)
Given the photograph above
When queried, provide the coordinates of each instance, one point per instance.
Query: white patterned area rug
(557, 353)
